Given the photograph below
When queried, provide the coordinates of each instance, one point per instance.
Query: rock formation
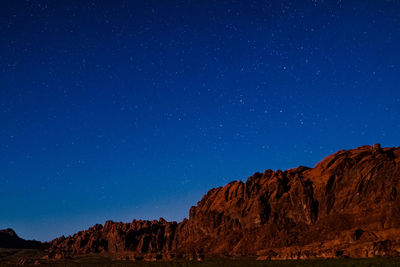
(346, 206)
(9, 239)
(135, 240)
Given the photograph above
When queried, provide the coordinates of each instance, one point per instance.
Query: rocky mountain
(9, 239)
(346, 206)
(135, 240)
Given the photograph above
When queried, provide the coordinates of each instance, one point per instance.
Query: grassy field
(12, 257)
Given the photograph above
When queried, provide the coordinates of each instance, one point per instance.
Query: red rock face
(122, 240)
(347, 205)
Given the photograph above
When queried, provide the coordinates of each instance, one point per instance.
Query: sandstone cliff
(134, 240)
(347, 205)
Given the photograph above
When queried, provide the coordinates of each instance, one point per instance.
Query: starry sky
(134, 109)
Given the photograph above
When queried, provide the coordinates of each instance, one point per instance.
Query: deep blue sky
(134, 109)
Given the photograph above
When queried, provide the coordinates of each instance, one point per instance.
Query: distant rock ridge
(9, 239)
(136, 240)
(346, 206)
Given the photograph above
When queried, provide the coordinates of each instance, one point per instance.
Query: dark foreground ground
(30, 257)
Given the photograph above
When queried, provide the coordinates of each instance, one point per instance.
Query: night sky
(134, 109)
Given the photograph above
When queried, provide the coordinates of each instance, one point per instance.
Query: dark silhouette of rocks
(346, 206)
(9, 239)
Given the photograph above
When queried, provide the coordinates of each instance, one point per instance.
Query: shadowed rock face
(347, 205)
(9, 239)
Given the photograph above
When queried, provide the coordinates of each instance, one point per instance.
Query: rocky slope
(347, 205)
(9, 239)
(136, 240)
